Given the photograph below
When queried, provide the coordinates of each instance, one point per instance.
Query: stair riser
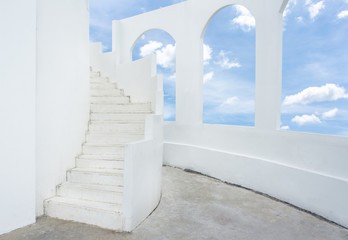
(117, 117)
(94, 74)
(110, 100)
(106, 92)
(120, 108)
(108, 220)
(90, 163)
(93, 150)
(108, 127)
(102, 85)
(89, 194)
(95, 178)
(110, 139)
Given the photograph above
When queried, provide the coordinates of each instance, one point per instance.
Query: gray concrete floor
(197, 207)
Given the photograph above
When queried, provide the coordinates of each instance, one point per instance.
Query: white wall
(143, 173)
(186, 22)
(62, 90)
(307, 170)
(17, 106)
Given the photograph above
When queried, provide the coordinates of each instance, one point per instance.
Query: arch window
(229, 68)
(163, 45)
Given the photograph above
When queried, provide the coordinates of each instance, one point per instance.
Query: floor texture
(198, 207)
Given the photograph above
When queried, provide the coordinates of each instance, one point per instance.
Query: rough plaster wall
(62, 90)
(17, 106)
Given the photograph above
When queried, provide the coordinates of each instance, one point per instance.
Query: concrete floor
(197, 207)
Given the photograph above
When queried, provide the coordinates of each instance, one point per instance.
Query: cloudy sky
(315, 62)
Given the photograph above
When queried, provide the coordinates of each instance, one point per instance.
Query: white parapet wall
(143, 159)
(306, 170)
(143, 173)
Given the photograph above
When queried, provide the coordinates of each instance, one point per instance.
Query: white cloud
(287, 10)
(306, 119)
(328, 92)
(231, 101)
(168, 111)
(299, 19)
(207, 51)
(150, 48)
(207, 77)
(245, 20)
(166, 56)
(225, 62)
(172, 77)
(284, 127)
(314, 8)
(330, 114)
(343, 14)
(308, 2)
(233, 105)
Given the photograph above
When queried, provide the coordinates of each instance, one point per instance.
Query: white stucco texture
(62, 98)
(17, 105)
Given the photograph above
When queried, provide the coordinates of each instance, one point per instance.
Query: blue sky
(315, 62)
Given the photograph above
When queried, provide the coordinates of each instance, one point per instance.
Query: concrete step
(111, 100)
(95, 74)
(103, 85)
(104, 215)
(110, 127)
(122, 108)
(109, 138)
(99, 80)
(96, 176)
(127, 117)
(96, 149)
(106, 92)
(91, 192)
(99, 162)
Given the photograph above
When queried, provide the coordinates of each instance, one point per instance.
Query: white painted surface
(143, 159)
(17, 122)
(62, 90)
(186, 22)
(307, 170)
(143, 173)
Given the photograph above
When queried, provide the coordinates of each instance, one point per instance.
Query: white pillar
(269, 32)
(189, 80)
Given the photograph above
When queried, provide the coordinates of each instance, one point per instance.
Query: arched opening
(229, 68)
(163, 45)
(315, 57)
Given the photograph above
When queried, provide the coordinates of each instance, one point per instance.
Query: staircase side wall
(17, 121)
(62, 90)
(143, 174)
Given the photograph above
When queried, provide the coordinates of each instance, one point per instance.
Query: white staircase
(93, 192)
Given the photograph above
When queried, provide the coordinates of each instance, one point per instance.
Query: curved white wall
(307, 170)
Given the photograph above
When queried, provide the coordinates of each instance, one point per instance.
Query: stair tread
(92, 205)
(116, 122)
(108, 157)
(115, 145)
(112, 171)
(100, 187)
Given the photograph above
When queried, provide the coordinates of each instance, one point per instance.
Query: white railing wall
(307, 170)
(143, 159)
